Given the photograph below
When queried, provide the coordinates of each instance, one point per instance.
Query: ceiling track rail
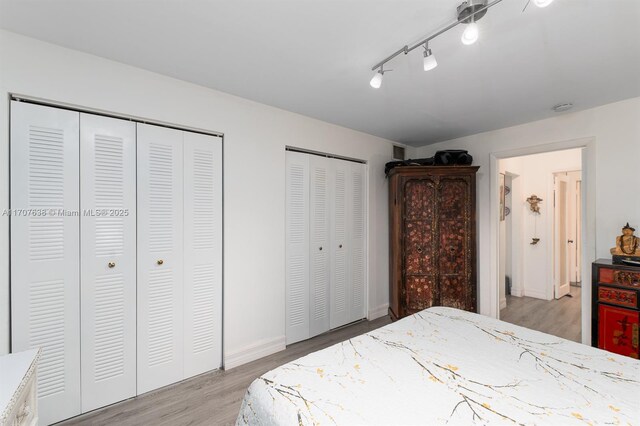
(323, 154)
(406, 48)
(62, 105)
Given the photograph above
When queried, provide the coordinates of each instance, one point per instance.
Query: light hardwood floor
(557, 317)
(212, 398)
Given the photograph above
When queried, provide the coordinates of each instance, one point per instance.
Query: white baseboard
(517, 292)
(503, 303)
(254, 351)
(536, 294)
(378, 312)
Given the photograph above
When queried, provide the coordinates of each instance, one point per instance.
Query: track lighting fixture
(471, 33)
(469, 12)
(542, 3)
(429, 58)
(376, 81)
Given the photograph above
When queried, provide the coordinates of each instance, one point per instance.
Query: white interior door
(561, 227)
(297, 246)
(357, 240)
(319, 258)
(108, 265)
(339, 246)
(202, 253)
(45, 269)
(160, 300)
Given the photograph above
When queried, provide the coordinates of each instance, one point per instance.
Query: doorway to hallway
(539, 240)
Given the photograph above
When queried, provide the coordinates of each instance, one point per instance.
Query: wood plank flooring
(212, 398)
(557, 317)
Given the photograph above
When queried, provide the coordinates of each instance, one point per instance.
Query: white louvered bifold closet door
(319, 247)
(108, 262)
(340, 246)
(202, 253)
(357, 240)
(160, 257)
(297, 246)
(45, 271)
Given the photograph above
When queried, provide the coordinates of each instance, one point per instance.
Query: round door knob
(340, 246)
(160, 262)
(320, 249)
(111, 264)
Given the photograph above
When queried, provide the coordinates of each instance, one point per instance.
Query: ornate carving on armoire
(432, 238)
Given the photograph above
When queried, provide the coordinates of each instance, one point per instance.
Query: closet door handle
(160, 262)
(320, 248)
(111, 264)
(340, 246)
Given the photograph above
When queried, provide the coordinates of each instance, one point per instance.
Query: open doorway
(539, 228)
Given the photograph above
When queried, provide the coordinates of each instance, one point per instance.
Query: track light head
(429, 59)
(470, 34)
(542, 3)
(376, 81)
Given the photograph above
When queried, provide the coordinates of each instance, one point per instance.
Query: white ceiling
(314, 56)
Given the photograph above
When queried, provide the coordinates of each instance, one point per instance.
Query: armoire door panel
(160, 299)
(340, 246)
(108, 262)
(45, 226)
(202, 253)
(297, 246)
(419, 199)
(320, 250)
(357, 221)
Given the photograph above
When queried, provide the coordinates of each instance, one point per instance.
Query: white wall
(254, 177)
(536, 177)
(615, 129)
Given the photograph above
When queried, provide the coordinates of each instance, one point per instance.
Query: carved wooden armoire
(432, 238)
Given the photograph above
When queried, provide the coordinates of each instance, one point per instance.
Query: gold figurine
(627, 244)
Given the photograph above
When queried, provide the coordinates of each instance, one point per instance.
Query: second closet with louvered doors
(116, 255)
(325, 244)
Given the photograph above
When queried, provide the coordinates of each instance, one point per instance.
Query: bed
(446, 366)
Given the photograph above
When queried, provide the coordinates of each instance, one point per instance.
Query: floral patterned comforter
(446, 366)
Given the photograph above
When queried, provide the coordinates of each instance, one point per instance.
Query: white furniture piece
(325, 244)
(18, 402)
(444, 366)
(140, 306)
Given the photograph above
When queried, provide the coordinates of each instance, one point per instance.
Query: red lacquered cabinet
(616, 308)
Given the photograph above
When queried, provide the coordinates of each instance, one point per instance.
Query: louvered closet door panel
(202, 253)
(160, 257)
(339, 246)
(320, 250)
(108, 266)
(45, 268)
(357, 197)
(297, 246)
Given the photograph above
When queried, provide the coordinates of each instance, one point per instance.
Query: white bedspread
(446, 366)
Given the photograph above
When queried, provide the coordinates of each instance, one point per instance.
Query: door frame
(588, 223)
(554, 237)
